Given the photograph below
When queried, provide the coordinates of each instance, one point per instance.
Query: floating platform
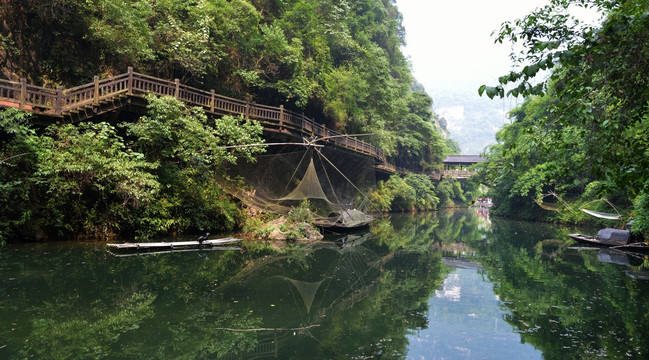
(173, 244)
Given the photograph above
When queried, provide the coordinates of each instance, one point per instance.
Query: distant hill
(471, 120)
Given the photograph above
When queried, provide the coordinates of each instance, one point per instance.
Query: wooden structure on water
(455, 166)
(173, 244)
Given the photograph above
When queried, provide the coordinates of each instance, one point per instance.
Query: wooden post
(59, 101)
(302, 125)
(281, 117)
(247, 110)
(177, 88)
(276, 344)
(23, 93)
(96, 95)
(129, 85)
(212, 100)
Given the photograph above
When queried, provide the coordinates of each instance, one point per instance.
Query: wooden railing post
(96, 95)
(276, 345)
(281, 117)
(177, 88)
(129, 85)
(23, 93)
(247, 110)
(212, 95)
(58, 110)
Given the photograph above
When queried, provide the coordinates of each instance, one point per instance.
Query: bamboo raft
(173, 244)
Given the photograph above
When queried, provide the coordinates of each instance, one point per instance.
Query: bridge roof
(463, 159)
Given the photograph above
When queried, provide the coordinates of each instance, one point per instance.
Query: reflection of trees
(363, 299)
(327, 301)
(91, 338)
(80, 303)
(568, 306)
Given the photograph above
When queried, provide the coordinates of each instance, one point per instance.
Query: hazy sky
(452, 52)
(449, 42)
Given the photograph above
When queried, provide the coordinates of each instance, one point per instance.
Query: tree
(189, 153)
(596, 111)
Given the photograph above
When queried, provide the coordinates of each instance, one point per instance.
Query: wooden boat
(605, 237)
(593, 240)
(345, 221)
(173, 244)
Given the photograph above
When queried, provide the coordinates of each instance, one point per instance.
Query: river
(446, 285)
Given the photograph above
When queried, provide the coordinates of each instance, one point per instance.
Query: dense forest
(581, 137)
(336, 61)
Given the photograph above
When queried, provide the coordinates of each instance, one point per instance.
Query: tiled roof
(464, 159)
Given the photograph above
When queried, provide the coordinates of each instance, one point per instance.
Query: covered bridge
(461, 162)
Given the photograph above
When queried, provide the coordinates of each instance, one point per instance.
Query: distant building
(461, 162)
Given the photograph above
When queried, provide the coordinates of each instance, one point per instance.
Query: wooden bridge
(105, 95)
(458, 167)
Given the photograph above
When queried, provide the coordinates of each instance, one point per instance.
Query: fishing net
(308, 188)
(335, 182)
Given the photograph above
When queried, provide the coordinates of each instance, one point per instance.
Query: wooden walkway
(101, 96)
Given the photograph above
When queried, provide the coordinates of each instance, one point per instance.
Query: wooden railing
(456, 174)
(63, 102)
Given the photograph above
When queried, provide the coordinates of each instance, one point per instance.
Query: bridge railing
(59, 102)
(457, 174)
(26, 96)
(93, 93)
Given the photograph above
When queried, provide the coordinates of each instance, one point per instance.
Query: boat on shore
(606, 237)
(344, 221)
(593, 240)
(614, 239)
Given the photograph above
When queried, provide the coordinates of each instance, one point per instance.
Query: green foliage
(189, 153)
(641, 214)
(420, 145)
(19, 146)
(85, 338)
(410, 193)
(91, 179)
(591, 122)
(300, 214)
(338, 62)
(86, 180)
(450, 193)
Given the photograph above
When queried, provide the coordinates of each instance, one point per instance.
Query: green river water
(447, 285)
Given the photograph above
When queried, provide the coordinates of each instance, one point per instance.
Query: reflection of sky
(465, 322)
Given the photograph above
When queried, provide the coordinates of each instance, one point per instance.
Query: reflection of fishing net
(333, 181)
(307, 290)
(351, 276)
(296, 297)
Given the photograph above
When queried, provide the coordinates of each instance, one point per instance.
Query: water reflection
(466, 322)
(440, 285)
